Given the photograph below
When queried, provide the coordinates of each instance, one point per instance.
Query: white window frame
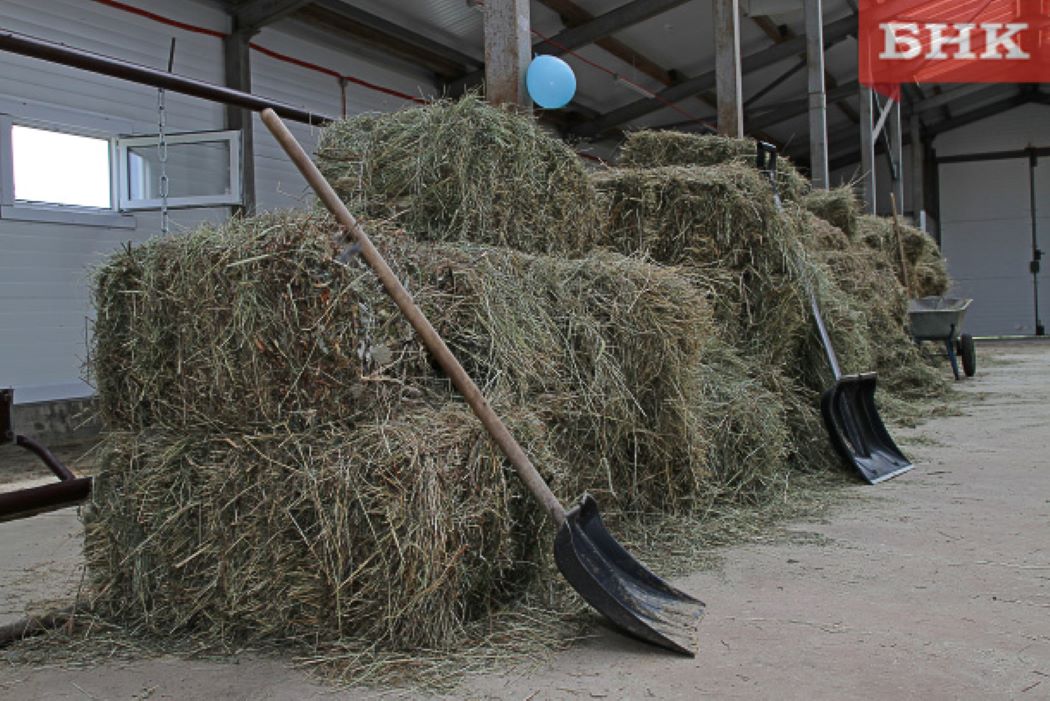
(231, 136)
(55, 213)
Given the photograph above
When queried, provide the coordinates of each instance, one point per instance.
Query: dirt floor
(935, 585)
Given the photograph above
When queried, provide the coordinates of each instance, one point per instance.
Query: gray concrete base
(58, 422)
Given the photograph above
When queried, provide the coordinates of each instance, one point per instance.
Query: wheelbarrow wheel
(968, 353)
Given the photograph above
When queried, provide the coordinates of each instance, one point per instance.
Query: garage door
(986, 235)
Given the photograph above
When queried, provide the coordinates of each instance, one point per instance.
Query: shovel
(848, 407)
(608, 577)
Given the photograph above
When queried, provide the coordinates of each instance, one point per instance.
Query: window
(57, 174)
(202, 170)
(53, 167)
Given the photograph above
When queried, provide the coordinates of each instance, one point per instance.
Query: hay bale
(721, 223)
(247, 323)
(655, 149)
(867, 278)
(397, 533)
(253, 325)
(463, 171)
(838, 207)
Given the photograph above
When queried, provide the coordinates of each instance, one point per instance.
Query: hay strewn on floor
(462, 170)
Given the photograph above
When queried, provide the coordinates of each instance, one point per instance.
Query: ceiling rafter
(598, 27)
(252, 15)
(833, 33)
(782, 33)
(332, 15)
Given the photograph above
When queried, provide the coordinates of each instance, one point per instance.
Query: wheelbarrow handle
(430, 337)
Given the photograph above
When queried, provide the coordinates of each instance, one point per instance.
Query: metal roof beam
(344, 20)
(783, 111)
(253, 15)
(833, 33)
(586, 33)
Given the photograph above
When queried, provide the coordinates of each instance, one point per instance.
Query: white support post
(896, 153)
(867, 151)
(918, 155)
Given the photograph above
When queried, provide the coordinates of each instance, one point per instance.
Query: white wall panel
(277, 183)
(45, 268)
(986, 223)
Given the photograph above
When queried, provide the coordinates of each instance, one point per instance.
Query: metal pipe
(25, 45)
(60, 471)
(47, 497)
(1033, 161)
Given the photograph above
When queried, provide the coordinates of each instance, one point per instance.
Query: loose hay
(837, 206)
(928, 275)
(452, 171)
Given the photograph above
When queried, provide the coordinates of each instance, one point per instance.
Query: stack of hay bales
(283, 461)
(699, 202)
(720, 222)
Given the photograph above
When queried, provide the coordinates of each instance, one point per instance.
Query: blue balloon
(550, 81)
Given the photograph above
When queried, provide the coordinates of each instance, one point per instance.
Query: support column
(818, 107)
(239, 77)
(896, 152)
(728, 85)
(508, 51)
(867, 152)
(918, 170)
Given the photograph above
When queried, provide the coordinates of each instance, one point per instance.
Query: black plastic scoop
(848, 407)
(605, 575)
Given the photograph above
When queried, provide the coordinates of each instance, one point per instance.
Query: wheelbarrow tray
(936, 318)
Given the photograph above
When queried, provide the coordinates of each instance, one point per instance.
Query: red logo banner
(948, 41)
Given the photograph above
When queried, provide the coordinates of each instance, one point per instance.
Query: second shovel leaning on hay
(608, 577)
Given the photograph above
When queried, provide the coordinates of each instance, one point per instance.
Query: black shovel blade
(619, 587)
(857, 431)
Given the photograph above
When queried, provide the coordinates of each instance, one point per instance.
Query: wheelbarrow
(940, 319)
(608, 577)
(22, 503)
(854, 425)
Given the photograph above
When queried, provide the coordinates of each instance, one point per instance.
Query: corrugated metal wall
(44, 267)
(986, 232)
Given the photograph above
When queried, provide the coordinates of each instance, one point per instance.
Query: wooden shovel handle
(430, 337)
(900, 245)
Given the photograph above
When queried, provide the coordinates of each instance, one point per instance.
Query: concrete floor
(935, 587)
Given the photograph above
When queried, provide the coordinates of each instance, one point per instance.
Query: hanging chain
(162, 148)
(162, 156)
